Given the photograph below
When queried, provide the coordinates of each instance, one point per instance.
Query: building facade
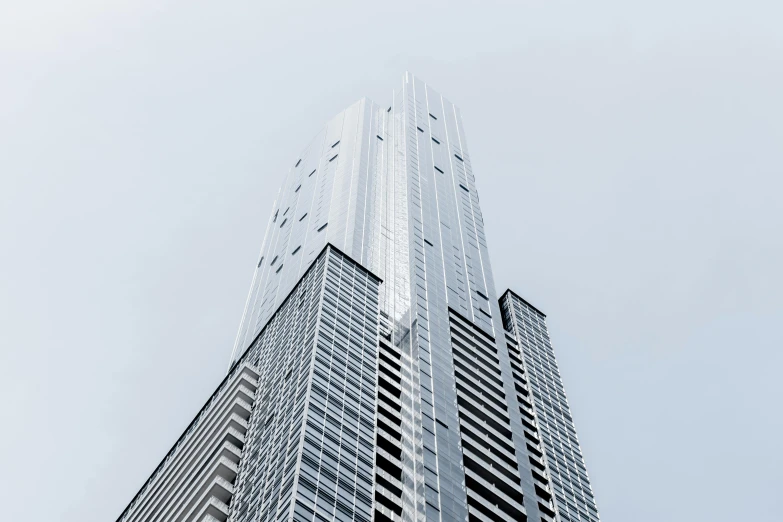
(391, 383)
(535, 358)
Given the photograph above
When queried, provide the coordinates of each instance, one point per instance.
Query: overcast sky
(629, 159)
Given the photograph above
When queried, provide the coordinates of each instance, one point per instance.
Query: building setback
(383, 380)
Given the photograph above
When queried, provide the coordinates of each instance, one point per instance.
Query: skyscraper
(375, 374)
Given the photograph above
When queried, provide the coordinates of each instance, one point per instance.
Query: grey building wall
(402, 401)
(328, 196)
(311, 435)
(290, 432)
(393, 188)
(574, 498)
(196, 480)
(375, 182)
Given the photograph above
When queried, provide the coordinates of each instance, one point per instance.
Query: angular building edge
(511, 292)
(240, 369)
(564, 462)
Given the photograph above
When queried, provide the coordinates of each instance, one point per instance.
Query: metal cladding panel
(353, 185)
(325, 198)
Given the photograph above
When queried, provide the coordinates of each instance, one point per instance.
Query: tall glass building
(376, 375)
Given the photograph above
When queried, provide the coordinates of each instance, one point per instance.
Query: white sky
(629, 162)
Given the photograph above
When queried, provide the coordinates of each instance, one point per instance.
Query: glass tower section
(397, 387)
(393, 188)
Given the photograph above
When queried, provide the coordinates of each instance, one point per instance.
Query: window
(297, 249)
(336, 143)
(273, 261)
(297, 163)
(379, 137)
(297, 188)
(283, 223)
(439, 170)
(313, 172)
(333, 157)
(433, 116)
(420, 129)
(303, 216)
(260, 261)
(435, 140)
(463, 187)
(322, 227)
(279, 268)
